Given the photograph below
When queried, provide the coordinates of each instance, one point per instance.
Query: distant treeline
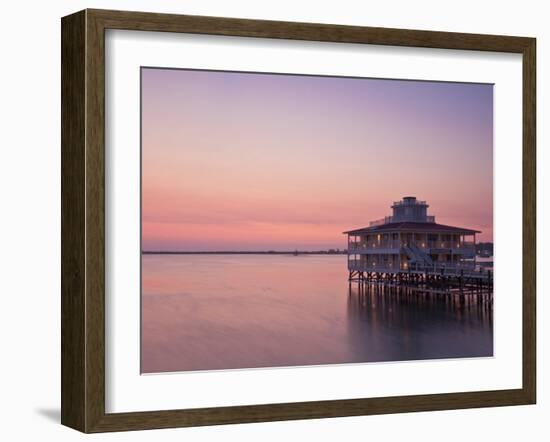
(484, 249)
(247, 252)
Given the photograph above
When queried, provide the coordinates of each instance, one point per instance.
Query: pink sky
(235, 161)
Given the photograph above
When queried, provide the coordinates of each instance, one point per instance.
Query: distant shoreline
(259, 252)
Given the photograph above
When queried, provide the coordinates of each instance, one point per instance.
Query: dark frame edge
(83, 236)
(529, 172)
(73, 131)
(136, 421)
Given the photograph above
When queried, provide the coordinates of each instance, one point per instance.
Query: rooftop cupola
(412, 210)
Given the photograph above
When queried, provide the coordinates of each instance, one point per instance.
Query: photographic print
(298, 220)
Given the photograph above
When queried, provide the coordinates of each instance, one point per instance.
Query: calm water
(204, 312)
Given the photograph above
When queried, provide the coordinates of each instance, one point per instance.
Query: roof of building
(413, 227)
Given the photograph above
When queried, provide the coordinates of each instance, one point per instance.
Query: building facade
(410, 240)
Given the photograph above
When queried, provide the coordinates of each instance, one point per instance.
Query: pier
(428, 281)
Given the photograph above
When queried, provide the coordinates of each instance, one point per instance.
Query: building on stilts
(411, 248)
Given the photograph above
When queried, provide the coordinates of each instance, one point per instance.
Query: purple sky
(261, 161)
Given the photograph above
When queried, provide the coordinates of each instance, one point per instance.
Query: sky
(250, 161)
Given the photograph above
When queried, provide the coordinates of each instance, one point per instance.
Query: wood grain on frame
(83, 219)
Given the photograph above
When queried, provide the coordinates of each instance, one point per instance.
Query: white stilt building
(411, 240)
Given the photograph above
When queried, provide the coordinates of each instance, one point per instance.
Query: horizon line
(336, 251)
(243, 252)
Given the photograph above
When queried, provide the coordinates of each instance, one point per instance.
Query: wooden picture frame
(83, 220)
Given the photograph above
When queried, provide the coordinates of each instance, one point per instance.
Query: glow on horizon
(242, 161)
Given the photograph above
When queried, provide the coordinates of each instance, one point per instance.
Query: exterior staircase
(418, 256)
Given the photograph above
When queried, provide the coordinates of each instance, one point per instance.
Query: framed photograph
(269, 220)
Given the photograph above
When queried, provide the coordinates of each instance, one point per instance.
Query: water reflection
(400, 324)
(219, 312)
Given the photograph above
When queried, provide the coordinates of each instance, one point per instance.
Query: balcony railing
(381, 221)
(462, 268)
(362, 246)
(391, 219)
(409, 203)
(457, 247)
(355, 264)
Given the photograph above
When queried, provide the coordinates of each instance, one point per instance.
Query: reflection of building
(411, 240)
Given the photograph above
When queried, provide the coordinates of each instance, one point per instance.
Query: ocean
(213, 312)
